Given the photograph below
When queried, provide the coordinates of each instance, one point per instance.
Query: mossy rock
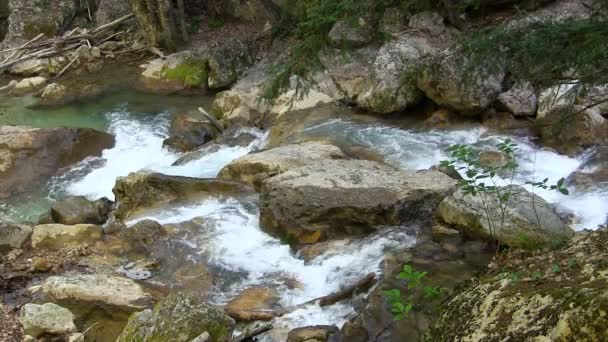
(191, 72)
(179, 318)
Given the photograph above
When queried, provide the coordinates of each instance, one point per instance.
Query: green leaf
(564, 191)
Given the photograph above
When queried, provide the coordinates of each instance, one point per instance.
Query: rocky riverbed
(158, 198)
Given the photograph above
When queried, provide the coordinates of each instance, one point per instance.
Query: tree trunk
(158, 21)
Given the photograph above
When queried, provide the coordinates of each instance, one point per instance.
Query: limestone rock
(519, 100)
(557, 296)
(392, 84)
(177, 72)
(78, 209)
(13, 235)
(46, 319)
(57, 236)
(254, 168)
(468, 91)
(179, 318)
(350, 70)
(240, 139)
(571, 128)
(431, 22)
(39, 67)
(29, 85)
(140, 191)
(54, 94)
(228, 59)
(528, 220)
(351, 34)
(338, 198)
(250, 301)
(86, 292)
(29, 156)
(188, 132)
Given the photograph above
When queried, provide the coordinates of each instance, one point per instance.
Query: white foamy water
(139, 146)
(410, 149)
(234, 242)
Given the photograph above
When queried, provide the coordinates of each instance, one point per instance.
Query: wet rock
(254, 168)
(551, 296)
(140, 191)
(143, 234)
(88, 292)
(57, 236)
(13, 236)
(431, 22)
(440, 232)
(187, 132)
(39, 67)
(180, 318)
(110, 10)
(349, 70)
(79, 210)
(228, 59)
(351, 34)
(176, 72)
(507, 123)
(54, 94)
(441, 118)
(339, 198)
(29, 156)
(493, 159)
(29, 85)
(243, 140)
(569, 129)
(317, 333)
(49, 319)
(392, 83)
(520, 100)
(593, 172)
(529, 220)
(450, 83)
(255, 299)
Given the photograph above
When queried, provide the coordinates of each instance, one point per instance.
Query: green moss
(192, 73)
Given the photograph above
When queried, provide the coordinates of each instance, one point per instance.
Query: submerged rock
(49, 319)
(187, 133)
(13, 235)
(88, 292)
(29, 85)
(254, 168)
(140, 191)
(529, 220)
(29, 156)
(551, 296)
(57, 236)
(79, 210)
(317, 333)
(179, 318)
(55, 94)
(339, 198)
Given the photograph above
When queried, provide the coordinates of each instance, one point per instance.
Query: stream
(229, 239)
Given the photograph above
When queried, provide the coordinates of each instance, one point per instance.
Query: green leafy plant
(483, 181)
(401, 306)
(555, 268)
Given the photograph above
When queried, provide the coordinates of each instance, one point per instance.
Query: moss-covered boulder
(547, 296)
(177, 72)
(179, 318)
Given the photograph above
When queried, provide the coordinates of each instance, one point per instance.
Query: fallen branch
(113, 23)
(364, 284)
(74, 59)
(213, 120)
(252, 332)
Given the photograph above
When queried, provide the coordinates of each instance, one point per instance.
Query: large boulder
(29, 156)
(528, 221)
(78, 209)
(90, 292)
(228, 59)
(520, 100)
(553, 296)
(452, 81)
(430, 22)
(57, 236)
(351, 34)
(179, 318)
(49, 319)
(572, 128)
(140, 191)
(13, 235)
(349, 70)
(255, 168)
(392, 82)
(176, 72)
(337, 198)
(188, 132)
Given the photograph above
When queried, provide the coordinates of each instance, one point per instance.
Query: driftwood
(266, 315)
(252, 332)
(211, 119)
(36, 48)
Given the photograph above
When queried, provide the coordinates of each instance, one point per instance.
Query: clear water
(230, 239)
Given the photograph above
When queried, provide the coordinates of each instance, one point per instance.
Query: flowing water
(230, 240)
